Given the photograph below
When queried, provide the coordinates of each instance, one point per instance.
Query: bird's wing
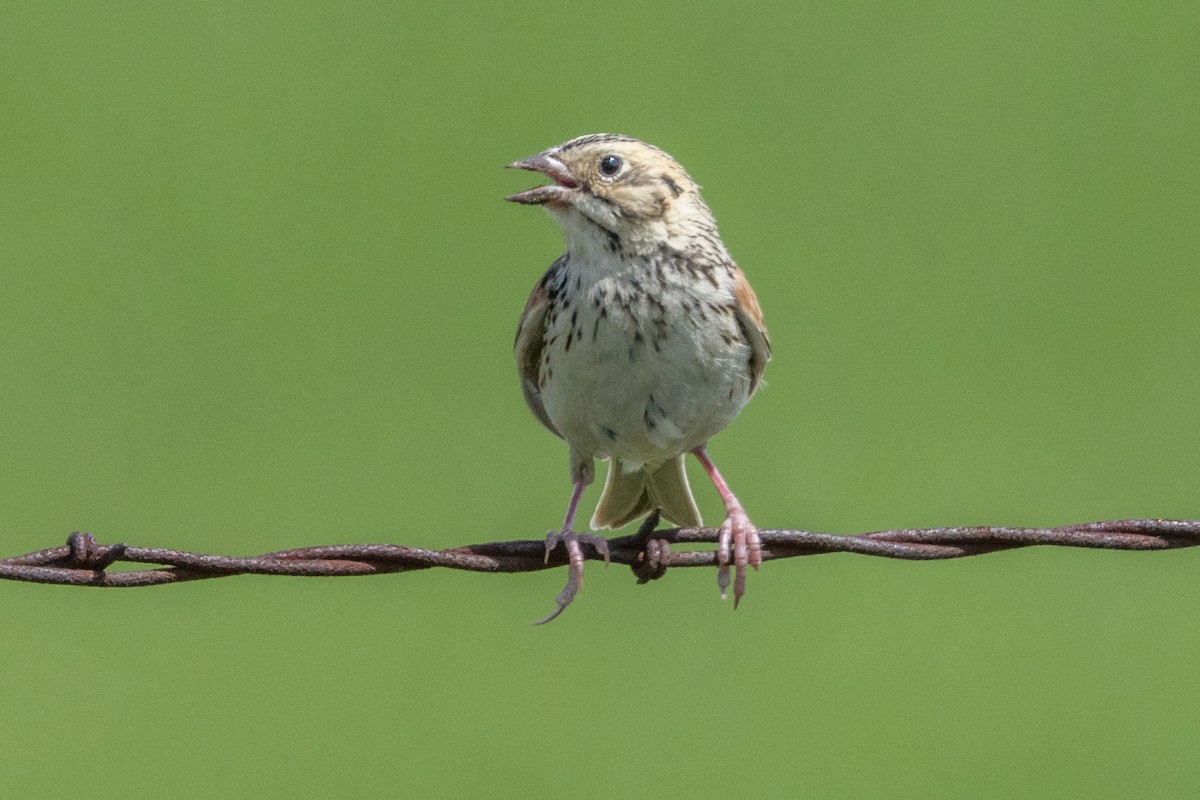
(750, 319)
(528, 347)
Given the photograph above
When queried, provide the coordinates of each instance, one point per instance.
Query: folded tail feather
(630, 495)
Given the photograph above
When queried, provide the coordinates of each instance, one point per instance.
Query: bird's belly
(644, 399)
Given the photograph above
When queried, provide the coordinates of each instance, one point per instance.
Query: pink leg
(573, 505)
(570, 541)
(737, 530)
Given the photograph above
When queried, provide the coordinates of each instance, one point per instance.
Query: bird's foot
(738, 538)
(571, 540)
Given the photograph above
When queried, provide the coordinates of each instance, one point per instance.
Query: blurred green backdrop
(259, 290)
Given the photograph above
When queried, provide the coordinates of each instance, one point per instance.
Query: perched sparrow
(639, 343)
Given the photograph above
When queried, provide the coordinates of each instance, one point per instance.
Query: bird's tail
(633, 494)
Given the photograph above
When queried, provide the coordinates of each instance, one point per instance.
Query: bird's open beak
(548, 164)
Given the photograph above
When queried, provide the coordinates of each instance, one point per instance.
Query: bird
(639, 343)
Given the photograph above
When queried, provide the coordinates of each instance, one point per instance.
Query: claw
(570, 541)
(723, 540)
(598, 542)
(739, 535)
(723, 580)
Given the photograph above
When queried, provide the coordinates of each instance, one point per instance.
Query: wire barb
(85, 562)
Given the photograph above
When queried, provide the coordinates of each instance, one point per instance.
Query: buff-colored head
(611, 186)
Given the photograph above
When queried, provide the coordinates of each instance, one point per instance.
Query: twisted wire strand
(84, 562)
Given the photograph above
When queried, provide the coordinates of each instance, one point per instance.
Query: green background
(259, 289)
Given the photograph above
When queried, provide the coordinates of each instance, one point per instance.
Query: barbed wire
(85, 562)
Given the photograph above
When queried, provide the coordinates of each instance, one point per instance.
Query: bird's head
(618, 191)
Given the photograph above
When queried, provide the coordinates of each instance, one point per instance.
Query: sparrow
(642, 341)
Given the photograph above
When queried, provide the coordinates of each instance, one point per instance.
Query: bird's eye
(610, 165)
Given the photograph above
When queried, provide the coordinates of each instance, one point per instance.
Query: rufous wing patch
(750, 318)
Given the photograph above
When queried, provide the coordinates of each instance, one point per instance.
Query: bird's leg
(737, 531)
(570, 540)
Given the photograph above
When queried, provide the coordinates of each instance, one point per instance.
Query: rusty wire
(84, 562)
